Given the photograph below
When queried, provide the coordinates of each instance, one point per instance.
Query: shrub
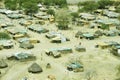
(4, 35)
(75, 14)
(104, 3)
(30, 7)
(63, 18)
(118, 9)
(51, 12)
(104, 27)
(88, 6)
(11, 4)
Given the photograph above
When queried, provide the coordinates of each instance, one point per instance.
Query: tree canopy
(30, 7)
(63, 18)
(88, 6)
(104, 3)
(4, 35)
(51, 12)
(93, 5)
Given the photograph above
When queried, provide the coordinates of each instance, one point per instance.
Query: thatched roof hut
(3, 64)
(35, 68)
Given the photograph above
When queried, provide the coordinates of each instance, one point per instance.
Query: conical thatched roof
(35, 68)
(3, 64)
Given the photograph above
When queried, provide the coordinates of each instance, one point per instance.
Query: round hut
(35, 68)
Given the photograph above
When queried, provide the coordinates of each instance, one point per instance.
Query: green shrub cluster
(101, 4)
(4, 35)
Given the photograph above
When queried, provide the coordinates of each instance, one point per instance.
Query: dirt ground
(94, 59)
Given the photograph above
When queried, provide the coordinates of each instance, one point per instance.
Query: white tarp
(118, 51)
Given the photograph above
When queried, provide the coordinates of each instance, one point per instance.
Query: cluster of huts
(92, 20)
(95, 20)
(104, 16)
(22, 56)
(112, 46)
(56, 37)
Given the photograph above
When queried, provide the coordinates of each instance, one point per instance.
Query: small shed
(26, 45)
(102, 45)
(15, 16)
(76, 67)
(80, 48)
(22, 56)
(25, 22)
(78, 34)
(88, 36)
(35, 68)
(87, 16)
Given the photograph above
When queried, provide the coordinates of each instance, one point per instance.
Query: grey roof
(62, 49)
(38, 28)
(87, 16)
(111, 14)
(88, 35)
(6, 43)
(15, 16)
(108, 21)
(22, 55)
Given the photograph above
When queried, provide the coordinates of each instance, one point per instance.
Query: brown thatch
(3, 64)
(35, 68)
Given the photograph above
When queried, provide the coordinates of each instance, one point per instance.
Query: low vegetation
(51, 12)
(4, 35)
(63, 20)
(89, 6)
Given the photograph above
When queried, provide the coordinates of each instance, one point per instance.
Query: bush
(88, 6)
(11, 4)
(118, 9)
(60, 3)
(75, 14)
(104, 27)
(119, 18)
(63, 18)
(30, 7)
(4, 35)
(51, 12)
(62, 26)
(104, 3)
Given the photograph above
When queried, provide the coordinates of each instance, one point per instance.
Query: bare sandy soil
(94, 59)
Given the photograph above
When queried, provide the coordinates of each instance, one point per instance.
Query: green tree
(118, 9)
(11, 4)
(30, 7)
(51, 12)
(75, 14)
(104, 27)
(104, 3)
(4, 35)
(61, 3)
(63, 18)
(88, 6)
